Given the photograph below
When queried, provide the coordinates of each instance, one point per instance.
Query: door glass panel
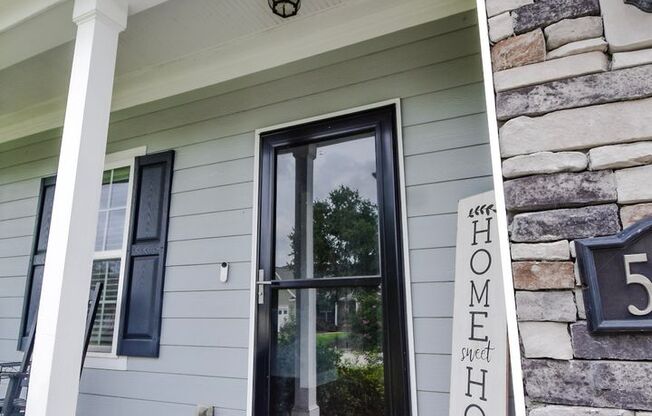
(327, 210)
(327, 352)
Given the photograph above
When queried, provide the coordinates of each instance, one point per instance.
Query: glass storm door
(331, 322)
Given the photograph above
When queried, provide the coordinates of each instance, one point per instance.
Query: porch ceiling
(171, 47)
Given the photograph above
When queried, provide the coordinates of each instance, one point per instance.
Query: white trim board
(406, 248)
(503, 235)
(356, 21)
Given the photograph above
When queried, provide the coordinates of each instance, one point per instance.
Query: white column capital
(115, 11)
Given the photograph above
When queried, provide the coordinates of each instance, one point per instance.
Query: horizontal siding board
(199, 332)
(433, 372)
(217, 174)
(18, 209)
(14, 266)
(200, 277)
(209, 250)
(448, 165)
(20, 190)
(432, 231)
(8, 351)
(440, 105)
(433, 335)
(14, 247)
(214, 151)
(11, 307)
(466, 130)
(427, 199)
(433, 265)
(11, 287)
(29, 170)
(433, 403)
(187, 389)
(432, 300)
(214, 224)
(9, 328)
(93, 405)
(36, 151)
(19, 227)
(223, 198)
(218, 304)
(200, 361)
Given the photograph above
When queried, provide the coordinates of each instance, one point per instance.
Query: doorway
(331, 322)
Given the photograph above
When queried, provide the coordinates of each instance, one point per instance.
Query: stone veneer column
(574, 102)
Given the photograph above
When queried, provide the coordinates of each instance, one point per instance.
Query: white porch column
(54, 382)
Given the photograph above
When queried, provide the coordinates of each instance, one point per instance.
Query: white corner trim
(404, 238)
(114, 11)
(503, 235)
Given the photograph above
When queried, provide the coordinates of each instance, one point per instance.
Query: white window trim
(405, 241)
(111, 360)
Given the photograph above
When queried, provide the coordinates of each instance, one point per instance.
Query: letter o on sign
(479, 412)
(478, 263)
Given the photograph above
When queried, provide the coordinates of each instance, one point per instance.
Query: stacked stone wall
(573, 81)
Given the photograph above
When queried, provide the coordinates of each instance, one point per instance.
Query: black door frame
(382, 122)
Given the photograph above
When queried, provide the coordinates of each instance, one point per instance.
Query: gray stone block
(634, 185)
(555, 410)
(546, 340)
(554, 306)
(500, 27)
(581, 46)
(544, 162)
(634, 213)
(620, 155)
(545, 12)
(616, 384)
(610, 346)
(579, 128)
(560, 190)
(565, 224)
(572, 30)
(558, 250)
(626, 27)
(538, 73)
(601, 88)
(629, 59)
(495, 7)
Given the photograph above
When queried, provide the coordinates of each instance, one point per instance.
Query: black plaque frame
(593, 300)
(645, 5)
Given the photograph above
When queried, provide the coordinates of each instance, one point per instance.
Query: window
(129, 257)
(109, 255)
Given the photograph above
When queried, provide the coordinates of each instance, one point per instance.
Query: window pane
(100, 234)
(111, 218)
(115, 229)
(107, 272)
(327, 354)
(327, 210)
(120, 187)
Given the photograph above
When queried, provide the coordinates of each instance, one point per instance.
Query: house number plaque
(617, 271)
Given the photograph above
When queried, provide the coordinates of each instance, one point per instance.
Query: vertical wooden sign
(479, 353)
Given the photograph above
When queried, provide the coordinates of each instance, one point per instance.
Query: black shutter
(37, 260)
(142, 298)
